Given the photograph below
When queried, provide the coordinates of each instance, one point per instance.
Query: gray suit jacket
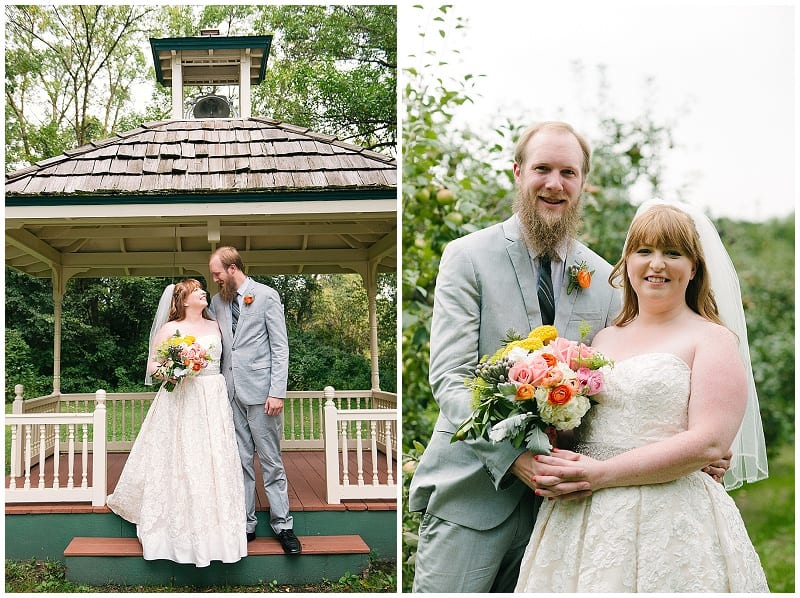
(255, 362)
(486, 286)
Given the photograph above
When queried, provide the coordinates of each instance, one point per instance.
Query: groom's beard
(544, 235)
(228, 289)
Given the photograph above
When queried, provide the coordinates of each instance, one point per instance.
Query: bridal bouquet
(532, 384)
(180, 356)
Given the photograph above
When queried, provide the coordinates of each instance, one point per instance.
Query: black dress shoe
(251, 536)
(289, 542)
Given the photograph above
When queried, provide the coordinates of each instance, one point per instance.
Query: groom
(478, 498)
(255, 363)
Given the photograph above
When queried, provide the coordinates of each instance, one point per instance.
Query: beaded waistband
(599, 450)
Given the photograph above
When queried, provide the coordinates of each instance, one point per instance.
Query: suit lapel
(523, 268)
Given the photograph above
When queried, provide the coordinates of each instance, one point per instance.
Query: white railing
(304, 427)
(348, 430)
(35, 436)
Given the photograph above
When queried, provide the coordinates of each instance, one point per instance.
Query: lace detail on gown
(182, 484)
(682, 536)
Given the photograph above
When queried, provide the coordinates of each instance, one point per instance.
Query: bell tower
(210, 60)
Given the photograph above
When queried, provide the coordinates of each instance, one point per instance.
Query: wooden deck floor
(305, 471)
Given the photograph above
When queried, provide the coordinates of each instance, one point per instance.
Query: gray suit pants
(453, 558)
(256, 429)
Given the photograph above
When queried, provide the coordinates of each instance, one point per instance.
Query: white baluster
(14, 465)
(56, 455)
(27, 484)
(85, 454)
(359, 453)
(70, 455)
(42, 452)
(312, 435)
(373, 433)
(389, 471)
(125, 431)
(345, 474)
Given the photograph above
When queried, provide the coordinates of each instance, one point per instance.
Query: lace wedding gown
(182, 484)
(682, 536)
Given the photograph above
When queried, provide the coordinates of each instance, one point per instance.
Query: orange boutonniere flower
(580, 277)
(248, 298)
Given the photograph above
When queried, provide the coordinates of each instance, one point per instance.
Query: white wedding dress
(182, 484)
(681, 536)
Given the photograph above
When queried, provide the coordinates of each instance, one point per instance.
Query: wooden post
(99, 451)
(331, 448)
(177, 86)
(16, 447)
(244, 84)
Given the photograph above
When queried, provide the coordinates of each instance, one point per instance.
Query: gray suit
(255, 363)
(486, 286)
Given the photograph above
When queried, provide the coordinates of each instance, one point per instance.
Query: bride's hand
(562, 475)
(552, 476)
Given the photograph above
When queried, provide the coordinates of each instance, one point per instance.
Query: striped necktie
(234, 313)
(547, 304)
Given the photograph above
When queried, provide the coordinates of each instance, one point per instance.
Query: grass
(49, 576)
(767, 508)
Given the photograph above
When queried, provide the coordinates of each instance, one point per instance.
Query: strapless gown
(682, 536)
(182, 484)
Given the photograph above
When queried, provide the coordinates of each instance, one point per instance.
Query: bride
(182, 484)
(673, 403)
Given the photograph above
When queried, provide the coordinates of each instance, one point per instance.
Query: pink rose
(591, 379)
(564, 349)
(528, 372)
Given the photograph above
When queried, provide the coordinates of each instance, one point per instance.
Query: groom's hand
(551, 480)
(273, 406)
(718, 469)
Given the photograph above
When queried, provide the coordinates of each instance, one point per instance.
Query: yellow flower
(189, 339)
(544, 333)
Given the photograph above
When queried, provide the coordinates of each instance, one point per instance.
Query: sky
(724, 75)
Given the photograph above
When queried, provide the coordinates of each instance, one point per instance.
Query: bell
(212, 106)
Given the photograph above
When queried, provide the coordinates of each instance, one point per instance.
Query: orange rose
(197, 367)
(525, 392)
(584, 278)
(560, 395)
(549, 359)
(248, 299)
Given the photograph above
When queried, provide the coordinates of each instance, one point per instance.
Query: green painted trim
(210, 43)
(200, 198)
(46, 535)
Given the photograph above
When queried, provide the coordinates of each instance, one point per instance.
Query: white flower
(563, 417)
(517, 354)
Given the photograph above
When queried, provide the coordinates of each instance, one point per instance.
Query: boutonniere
(249, 298)
(580, 277)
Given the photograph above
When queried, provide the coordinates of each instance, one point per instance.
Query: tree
(333, 69)
(69, 73)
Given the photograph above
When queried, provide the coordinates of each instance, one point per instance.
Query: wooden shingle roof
(157, 200)
(207, 156)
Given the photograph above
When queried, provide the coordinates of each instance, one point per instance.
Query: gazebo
(157, 200)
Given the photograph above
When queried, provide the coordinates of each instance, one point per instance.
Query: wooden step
(108, 560)
(88, 546)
